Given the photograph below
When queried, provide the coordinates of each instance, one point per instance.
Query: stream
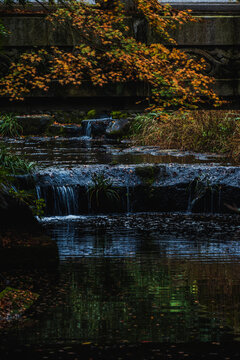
(142, 272)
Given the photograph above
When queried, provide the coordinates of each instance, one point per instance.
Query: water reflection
(134, 286)
(77, 236)
(73, 151)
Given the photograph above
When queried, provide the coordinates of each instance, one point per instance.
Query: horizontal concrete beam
(211, 30)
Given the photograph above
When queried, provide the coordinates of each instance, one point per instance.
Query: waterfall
(60, 200)
(189, 207)
(88, 131)
(89, 205)
(219, 198)
(212, 201)
(128, 200)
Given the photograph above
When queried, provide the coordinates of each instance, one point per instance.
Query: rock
(64, 130)
(95, 127)
(16, 215)
(22, 240)
(118, 128)
(159, 187)
(37, 252)
(34, 124)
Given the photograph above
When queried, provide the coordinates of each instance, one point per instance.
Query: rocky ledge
(168, 187)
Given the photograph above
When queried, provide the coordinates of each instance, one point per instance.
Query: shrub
(10, 166)
(29, 198)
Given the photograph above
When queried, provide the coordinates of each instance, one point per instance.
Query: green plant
(11, 165)
(3, 31)
(9, 125)
(29, 198)
(200, 187)
(101, 188)
(14, 164)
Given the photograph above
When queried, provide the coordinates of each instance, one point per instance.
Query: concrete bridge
(216, 38)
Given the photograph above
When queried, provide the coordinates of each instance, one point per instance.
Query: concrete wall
(216, 38)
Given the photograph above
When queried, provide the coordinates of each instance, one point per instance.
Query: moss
(114, 162)
(91, 114)
(118, 115)
(147, 174)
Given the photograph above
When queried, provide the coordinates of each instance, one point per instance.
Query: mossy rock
(118, 115)
(147, 174)
(91, 114)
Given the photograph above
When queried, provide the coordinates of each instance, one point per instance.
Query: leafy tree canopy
(106, 51)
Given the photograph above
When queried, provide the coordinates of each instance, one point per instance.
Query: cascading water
(88, 132)
(59, 200)
(66, 193)
(95, 127)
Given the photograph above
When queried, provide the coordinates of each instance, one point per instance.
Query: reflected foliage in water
(136, 286)
(73, 151)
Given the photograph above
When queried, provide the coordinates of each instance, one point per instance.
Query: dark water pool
(129, 279)
(144, 286)
(64, 152)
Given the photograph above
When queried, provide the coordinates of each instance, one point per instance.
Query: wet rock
(34, 124)
(118, 128)
(95, 127)
(145, 188)
(64, 130)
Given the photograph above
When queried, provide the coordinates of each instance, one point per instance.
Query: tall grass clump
(9, 126)
(215, 131)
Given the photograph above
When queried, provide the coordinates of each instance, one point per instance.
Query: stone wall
(216, 38)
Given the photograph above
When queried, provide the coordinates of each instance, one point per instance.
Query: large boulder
(16, 215)
(118, 128)
(95, 127)
(22, 240)
(34, 124)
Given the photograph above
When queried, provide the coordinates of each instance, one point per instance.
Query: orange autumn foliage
(106, 51)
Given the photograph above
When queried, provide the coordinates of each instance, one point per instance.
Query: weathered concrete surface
(26, 31)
